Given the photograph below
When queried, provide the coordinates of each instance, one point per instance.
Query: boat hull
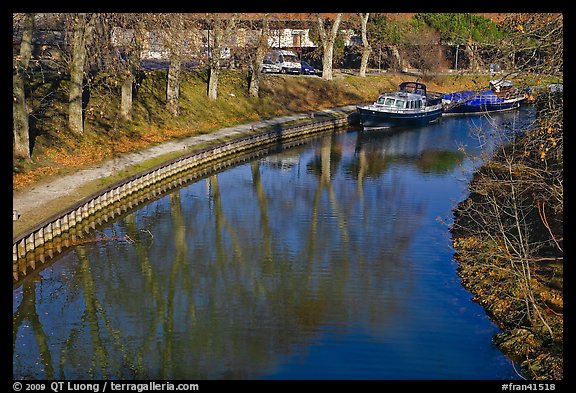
(468, 101)
(371, 118)
(465, 108)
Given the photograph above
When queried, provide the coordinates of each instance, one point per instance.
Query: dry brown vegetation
(509, 240)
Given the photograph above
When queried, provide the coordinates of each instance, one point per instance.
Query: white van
(282, 61)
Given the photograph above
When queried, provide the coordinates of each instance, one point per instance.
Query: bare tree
(262, 47)
(422, 50)
(534, 43)
(114, 55)
(366, 48)
(471, 50)
(176, 36)
(129, 48)
(174, 39)
(328, 40)
(83, 25)
(221, 32)
(19, 107)
(112, 58)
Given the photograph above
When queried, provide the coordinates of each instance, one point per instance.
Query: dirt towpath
(39, 201)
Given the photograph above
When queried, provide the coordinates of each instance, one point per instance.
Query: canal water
(329, 260)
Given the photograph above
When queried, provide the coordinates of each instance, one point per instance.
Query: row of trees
(108, 46)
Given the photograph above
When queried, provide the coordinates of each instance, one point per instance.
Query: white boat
(410, 105)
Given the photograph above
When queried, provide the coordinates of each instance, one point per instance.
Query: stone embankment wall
(32, 249)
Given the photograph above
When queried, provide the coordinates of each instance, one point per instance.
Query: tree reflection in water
(225, 276)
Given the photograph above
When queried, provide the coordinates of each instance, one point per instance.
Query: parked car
(307, 69)
(269, 67)
(282, 61)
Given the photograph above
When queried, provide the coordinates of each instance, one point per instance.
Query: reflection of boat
(411, 105)
(279, 162)
(502, 95)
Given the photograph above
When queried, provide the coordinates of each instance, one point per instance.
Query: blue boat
(410, 105)
(501, 96)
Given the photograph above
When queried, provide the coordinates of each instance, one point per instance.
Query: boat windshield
(399, 103)
(389, 101)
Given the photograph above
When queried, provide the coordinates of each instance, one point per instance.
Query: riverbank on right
(508, 238)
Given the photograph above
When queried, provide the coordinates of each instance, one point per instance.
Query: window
(291, 58)
(156, 41)
(418, 104)
(296, 40)
(400, 103)
(380, 100)
(389, 102)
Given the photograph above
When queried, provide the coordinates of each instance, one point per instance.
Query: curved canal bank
(508, 237)
(38, 238)
(324, 260)
(503, 289)
(51, 189)
(107, 144)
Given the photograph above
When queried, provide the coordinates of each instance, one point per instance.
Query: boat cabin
(413, 87)
(501, 85)
(411, 95)
(504, 89)
(399, 102)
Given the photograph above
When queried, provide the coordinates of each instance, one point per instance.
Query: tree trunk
(20, 119)
(327, 62)
(126, 100)
(173, 85)
(223, 30)
(366, 49)
(82, 33)
(328, 45)
(21, 131)
(213, 82)
(364, 61)
(133, 58)
(396, 54)
(471, 53)
(217, 38)
(254, 87)
(261, 50)
(174, 42)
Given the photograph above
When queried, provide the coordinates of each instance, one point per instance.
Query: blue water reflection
(325, 261)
